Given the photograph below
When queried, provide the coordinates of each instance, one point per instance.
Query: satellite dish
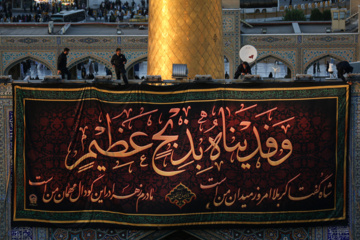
(248, 53)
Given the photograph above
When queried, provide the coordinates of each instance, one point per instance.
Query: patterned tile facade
(281, 47)
(88, 41)
(288, 57)
(340, 54)
(269, 40)
(311, 40)
(15, 49)
(12, 58)
(24, 42)
(135, 56)
(297, 51)
(140, 42)
(354, 159)
(6, 130)
(228, 24)
(231, 38)
(300, 233)
(76, 57)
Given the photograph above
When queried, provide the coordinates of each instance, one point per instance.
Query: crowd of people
(24, 17)
(123, 10)
(31, 69)
(35, 12)
(109, 11)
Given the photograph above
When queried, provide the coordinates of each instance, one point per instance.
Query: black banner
(172, 157)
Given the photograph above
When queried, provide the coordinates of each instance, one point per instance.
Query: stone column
(186, 32)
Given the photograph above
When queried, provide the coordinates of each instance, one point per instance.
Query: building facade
(297, 51)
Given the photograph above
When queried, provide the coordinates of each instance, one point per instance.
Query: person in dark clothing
(118, 61)
(96, 67)
(318, 66)
(83, 72)
(314, 68)
(342, 68)
(90, 76)
(243, 69)
(62, 62)
(108, 72)
(327, 66)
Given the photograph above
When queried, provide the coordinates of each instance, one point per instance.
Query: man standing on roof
(243, 69)
(118, 61)
(62, 62)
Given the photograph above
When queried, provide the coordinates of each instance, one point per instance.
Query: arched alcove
(103, 66)
(29, 66)
(137, 68)
(278, 67)
(320, 65)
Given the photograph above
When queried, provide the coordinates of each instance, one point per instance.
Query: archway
(137, 69)
(271, 67)
(88, 67)
(28, 66)
(319, 67)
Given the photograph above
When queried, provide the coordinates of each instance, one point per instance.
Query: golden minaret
(186, 32)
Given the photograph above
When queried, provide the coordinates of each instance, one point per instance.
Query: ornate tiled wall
(10, 58)
(299, 52)
(79, 56)
(231, 31)
(341, 54)
(287, 56)
(354, 159)
(6, 130)
(44, 49)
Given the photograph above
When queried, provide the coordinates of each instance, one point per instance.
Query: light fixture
(179, 71)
